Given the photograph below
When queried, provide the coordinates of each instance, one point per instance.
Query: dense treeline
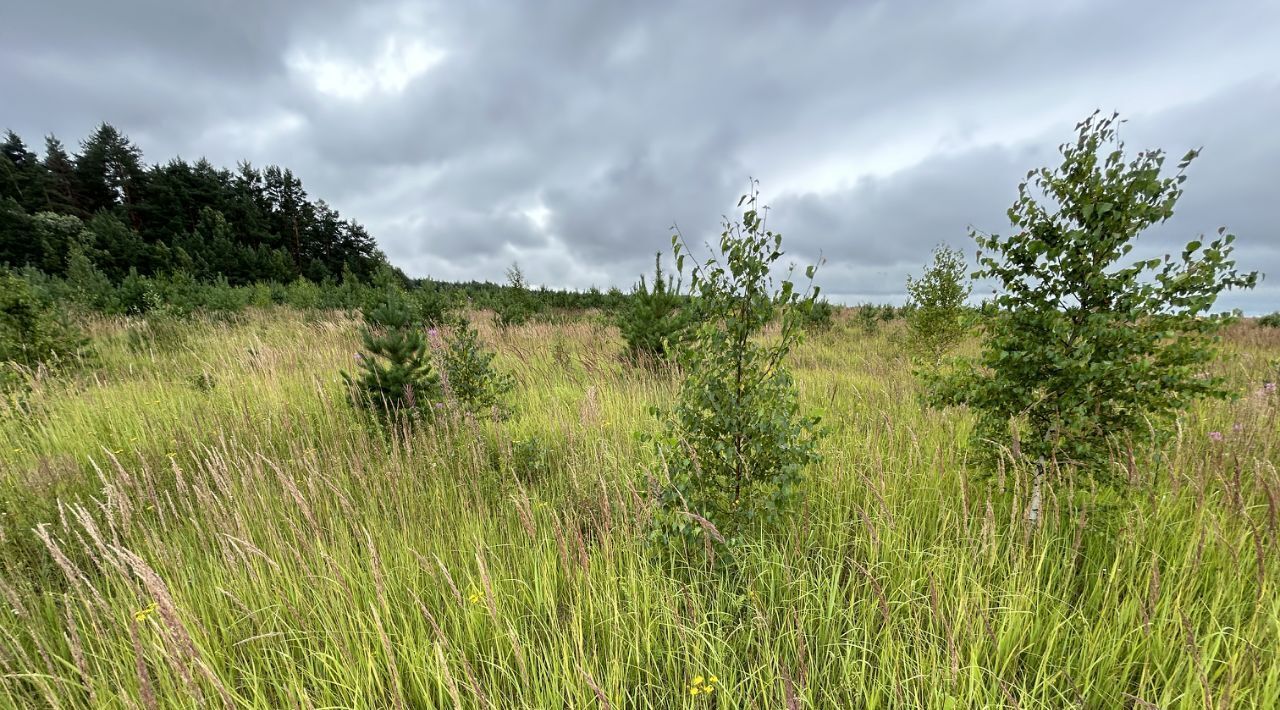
(125, 235)
(246, 225)
(486, 294)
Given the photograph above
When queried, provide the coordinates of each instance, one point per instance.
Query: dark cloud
(571, 135)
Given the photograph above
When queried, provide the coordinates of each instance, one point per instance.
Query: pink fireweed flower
(1215, 436)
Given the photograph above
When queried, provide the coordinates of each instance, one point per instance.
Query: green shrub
(652, 322)
(136, 294)
(396, 377)
(87, 285)
(303, 294)
(1271, 320)
(432, 305)
(936, 314)
(1083, 352)
(532, 460)
(260, 295)
(34, 331)
(735, 444)
(818, 316)
(515, 304)
(868, 315)
(470, 377)
(222, 298)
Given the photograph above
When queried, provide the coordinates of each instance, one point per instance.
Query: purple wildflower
(1215, 436)
(1269, 388)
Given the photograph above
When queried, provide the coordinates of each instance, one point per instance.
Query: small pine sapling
(396, 377)
(470, 377)
(653, 322)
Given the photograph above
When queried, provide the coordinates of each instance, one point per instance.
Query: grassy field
(201, 519)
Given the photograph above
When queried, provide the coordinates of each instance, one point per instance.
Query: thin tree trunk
(1033, 509)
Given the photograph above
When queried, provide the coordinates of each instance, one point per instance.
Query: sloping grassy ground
(202, 520)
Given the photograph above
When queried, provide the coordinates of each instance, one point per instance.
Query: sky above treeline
(571, 135)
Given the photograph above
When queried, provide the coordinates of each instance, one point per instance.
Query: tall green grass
(205, 521)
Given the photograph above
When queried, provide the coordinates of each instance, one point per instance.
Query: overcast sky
(569, 135)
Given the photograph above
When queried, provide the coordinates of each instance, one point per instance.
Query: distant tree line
(489, 295)
(105, 203)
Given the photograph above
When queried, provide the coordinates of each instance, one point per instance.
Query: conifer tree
(396, 377)
(471, 377)
(59, 180)
(652, 322)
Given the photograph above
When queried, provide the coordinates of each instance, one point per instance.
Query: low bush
(34, 331)
(653, 322)
(469, 376)
(735, 445)
(396, 377)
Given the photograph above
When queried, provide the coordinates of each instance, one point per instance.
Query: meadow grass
(202, 519)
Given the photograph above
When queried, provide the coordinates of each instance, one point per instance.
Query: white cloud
(390, 70)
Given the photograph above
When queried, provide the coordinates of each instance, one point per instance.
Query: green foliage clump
(818, 316)
(515, 305)
(304, 294)
(432, 304)
(34, 331)
(1083, 352)
(653, 322)
(1271, 320)
(87, 286)
(470, 377)
(532, 460)
(936, 311)
(396, 376)
(735, 444)
(870, 315)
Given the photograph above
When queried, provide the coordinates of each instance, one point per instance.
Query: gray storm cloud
(572, 135)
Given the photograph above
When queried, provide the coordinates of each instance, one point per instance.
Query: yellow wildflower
(694, 690)
(142, 614)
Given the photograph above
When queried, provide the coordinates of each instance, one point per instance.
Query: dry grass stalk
(77, 653)
(449, 682)
(145, 690)
(397, 694)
